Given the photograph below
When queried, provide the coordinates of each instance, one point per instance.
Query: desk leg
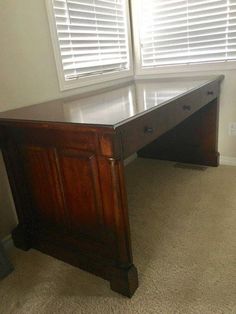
(195, 140)
(20, 234)
(124, 277)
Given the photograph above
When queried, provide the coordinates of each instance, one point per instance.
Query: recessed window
(173, 32)
(91, 40)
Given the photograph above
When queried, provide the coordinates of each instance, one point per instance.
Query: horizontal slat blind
(92, 36)
(187, 31)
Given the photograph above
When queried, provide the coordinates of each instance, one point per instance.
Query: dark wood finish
(67, 179)
(146, 128)
(195, 140)
(125, 281)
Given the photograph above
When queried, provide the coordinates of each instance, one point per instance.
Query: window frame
(89, 80)
(168, 69)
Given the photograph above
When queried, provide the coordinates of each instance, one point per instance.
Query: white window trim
(92, 80)
(172, 69)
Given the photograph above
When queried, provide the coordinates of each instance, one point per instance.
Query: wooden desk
(65, 162)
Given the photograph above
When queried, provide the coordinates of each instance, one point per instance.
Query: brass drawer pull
(148, 129)
(186, 107)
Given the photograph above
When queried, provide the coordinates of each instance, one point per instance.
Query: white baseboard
(130, 159)
(229, 161)
(8, 242)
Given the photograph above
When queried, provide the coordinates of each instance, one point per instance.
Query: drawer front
(85, 140)
(143, 130)
(190, 103)
(210, 92)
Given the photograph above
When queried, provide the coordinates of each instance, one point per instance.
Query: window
(181, 32)
(91, 40)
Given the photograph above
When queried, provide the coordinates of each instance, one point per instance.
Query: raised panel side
(82, 192)
(44, 184)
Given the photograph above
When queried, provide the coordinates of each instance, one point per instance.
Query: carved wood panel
(44, 185)
(81, 187)
(65, 190)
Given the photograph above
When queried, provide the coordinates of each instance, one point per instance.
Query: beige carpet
(184, 240)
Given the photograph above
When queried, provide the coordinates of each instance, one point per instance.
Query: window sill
(91, 88)
(97, 80)
(178, 69)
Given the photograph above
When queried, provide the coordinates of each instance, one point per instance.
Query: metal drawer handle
(210, 92)
(148, 129)
(186, 107)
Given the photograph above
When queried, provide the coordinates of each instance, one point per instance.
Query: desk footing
(125, 281)
(21, 238)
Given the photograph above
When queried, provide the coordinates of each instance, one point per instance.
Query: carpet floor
(183, 224)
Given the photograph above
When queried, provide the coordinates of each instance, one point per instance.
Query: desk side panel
(71, 199)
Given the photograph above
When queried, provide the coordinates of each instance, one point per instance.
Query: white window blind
(187, 31)
(92, 36)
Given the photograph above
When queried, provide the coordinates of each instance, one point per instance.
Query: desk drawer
(143, 130)
(189, 104)
(29, 136)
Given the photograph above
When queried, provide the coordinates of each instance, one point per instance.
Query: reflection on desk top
(110, 107)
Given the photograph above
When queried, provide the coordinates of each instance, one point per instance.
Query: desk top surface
(110, 107)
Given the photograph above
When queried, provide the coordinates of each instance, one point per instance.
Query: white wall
(28, 75)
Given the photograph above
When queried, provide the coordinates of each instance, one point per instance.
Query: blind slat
(79, 12)
(90, 46)
(82, 52)
(93, 58)
(88, 65)
(84, 18)
(88, 26)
